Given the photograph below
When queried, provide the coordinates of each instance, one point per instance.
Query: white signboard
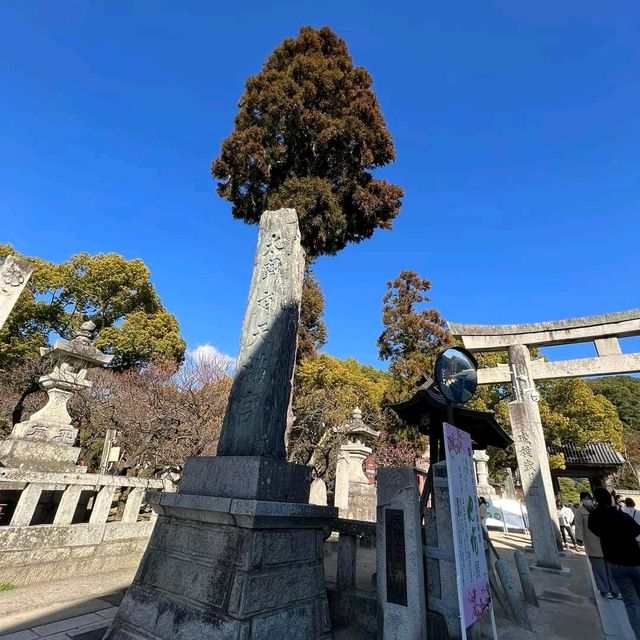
(509, 515)
(474, 593)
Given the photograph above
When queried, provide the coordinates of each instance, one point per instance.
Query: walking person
(604, 582)
(630, 509)
(617, 532)
(565, 519)
(482, 508)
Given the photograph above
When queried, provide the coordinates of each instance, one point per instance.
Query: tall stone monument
(14, 275)
(238, 552)
(45, 442)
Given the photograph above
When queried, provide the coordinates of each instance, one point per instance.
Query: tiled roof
(595, 453)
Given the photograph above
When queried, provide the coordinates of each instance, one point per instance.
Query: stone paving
(570, 606)
(80, 609)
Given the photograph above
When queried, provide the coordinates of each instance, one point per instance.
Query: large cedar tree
(307, 134)
(312, 331)
(413, 335)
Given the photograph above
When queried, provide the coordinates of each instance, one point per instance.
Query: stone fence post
(400, 566)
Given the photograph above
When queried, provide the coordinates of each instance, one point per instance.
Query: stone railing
(33, 484)
(352, 597)
(54, 525)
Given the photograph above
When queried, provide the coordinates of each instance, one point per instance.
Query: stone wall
(112, 535)
(53, 552)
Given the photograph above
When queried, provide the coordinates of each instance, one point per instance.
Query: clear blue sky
(516, 126)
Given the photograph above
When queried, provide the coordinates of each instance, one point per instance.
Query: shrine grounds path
(81, 608)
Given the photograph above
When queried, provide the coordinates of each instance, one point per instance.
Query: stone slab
(398, 498)
(563, 571)
(242, 513)
(580, 367)
(246, 477)
(19, 635)
(52, 552)
(66, 624)
(31, 455)
(495, 337)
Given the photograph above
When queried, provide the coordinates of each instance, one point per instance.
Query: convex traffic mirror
(456, 373)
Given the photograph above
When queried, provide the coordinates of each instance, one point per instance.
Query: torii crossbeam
(604, 331)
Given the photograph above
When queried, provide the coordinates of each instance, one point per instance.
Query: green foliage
(413, 334)
(143, 337)
(326, 392)
(624, 393)
(307, 134)
(312, 331)
(573, 414)
(115, 293)
(570, 411)
(7, 586)
(339, 386)
(571, 489)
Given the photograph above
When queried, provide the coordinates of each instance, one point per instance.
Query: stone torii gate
(604, 331)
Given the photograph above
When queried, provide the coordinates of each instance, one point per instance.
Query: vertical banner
(474, 594)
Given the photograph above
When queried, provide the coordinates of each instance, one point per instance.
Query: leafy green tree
(312, 331)
(570, 489)
(624, 393)
(143, 337)
(115, 293)
(570, 412)
(413, 334)
(308, 133)
(573, 414)
(326, 392)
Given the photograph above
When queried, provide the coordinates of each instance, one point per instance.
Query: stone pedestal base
(231, 569)
(362, 502)
(32, 455)
(250, 477)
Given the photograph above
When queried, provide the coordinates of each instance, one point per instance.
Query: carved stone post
(14, 275)
(481, 460)
(533, 462)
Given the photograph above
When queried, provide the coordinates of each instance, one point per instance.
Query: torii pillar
(533, 462)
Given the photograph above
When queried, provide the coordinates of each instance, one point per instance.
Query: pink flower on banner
(479, 601)
(455, 442)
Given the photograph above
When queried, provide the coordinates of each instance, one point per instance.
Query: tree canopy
(624, 393)
(326, 392)
(307, 135)
(312, 331)
(413, 334)
(572, 413)
(113, 292)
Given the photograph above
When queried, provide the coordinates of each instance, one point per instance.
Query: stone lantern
(355, 497)
(45, 442)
